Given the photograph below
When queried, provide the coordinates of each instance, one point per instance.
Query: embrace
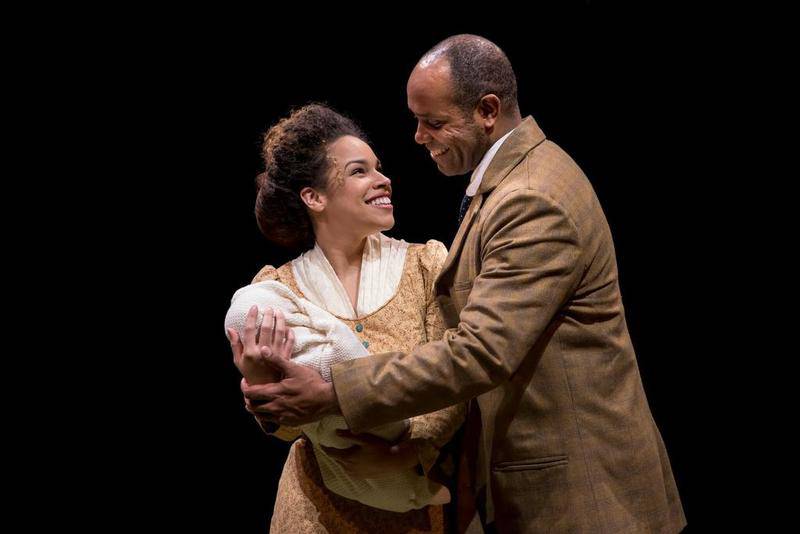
(491, 387)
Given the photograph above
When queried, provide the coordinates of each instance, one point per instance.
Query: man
(563, 439)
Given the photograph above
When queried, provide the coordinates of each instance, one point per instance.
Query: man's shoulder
(547, 164)
(548, 172)
(547, 178)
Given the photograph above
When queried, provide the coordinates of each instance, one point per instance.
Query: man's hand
(301, 397)
(373, 456)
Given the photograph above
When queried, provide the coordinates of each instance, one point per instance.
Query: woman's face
(358, 197)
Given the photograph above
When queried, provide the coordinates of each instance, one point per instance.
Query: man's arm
(531, 264)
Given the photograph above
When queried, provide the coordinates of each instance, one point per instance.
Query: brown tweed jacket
(538, 335)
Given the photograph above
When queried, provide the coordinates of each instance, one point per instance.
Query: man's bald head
(477, 67)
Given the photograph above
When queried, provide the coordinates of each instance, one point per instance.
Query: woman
(323, 192)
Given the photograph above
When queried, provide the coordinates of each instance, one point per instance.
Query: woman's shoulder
(430, 255)
(268, 272)
(282, 274)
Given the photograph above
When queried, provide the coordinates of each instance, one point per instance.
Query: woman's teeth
(381, 201)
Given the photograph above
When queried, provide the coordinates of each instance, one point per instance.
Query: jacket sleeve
(530, 266)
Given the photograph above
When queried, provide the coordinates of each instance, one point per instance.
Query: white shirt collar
(382, 266)
(477, 174)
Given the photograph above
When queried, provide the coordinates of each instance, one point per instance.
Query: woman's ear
(313, 199)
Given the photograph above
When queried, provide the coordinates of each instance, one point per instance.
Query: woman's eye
(359, 170)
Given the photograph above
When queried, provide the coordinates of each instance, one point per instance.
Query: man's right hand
(301, 397)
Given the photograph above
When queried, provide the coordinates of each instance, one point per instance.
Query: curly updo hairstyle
(295, 156)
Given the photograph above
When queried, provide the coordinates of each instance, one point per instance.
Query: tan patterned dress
(409, 318)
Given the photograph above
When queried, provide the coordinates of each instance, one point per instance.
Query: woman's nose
(383, 180)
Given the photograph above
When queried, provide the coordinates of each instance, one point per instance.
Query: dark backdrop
(612, 92)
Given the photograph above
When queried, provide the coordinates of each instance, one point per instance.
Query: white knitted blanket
(322, 340)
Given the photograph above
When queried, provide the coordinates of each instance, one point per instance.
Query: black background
(613, 89)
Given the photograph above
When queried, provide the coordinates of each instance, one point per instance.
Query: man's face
(454, 138)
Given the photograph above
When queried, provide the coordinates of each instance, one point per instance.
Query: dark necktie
(464, 207)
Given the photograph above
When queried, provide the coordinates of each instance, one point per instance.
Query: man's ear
(313, 199)
(488, 110)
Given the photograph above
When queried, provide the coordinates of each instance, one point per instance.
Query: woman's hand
(251, 354)
(373, 456)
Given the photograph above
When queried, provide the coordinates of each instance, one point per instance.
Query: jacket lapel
(524, 139)
(445, 275)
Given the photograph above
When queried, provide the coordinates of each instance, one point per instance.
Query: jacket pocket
(531, 464)
(460, 294)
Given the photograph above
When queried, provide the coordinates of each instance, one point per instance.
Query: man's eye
(435, 125)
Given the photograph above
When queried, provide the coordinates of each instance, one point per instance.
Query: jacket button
(366, 344)
(359, 327)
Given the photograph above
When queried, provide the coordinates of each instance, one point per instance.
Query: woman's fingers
(280, 329)
(278, 362)
(288, 347)
(236, 345)
(250, 330)
(267, 325)
(272, 335)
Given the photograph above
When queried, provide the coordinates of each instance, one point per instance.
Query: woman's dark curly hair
(295, 157)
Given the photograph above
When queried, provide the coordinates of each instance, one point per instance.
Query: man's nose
(421, 135)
